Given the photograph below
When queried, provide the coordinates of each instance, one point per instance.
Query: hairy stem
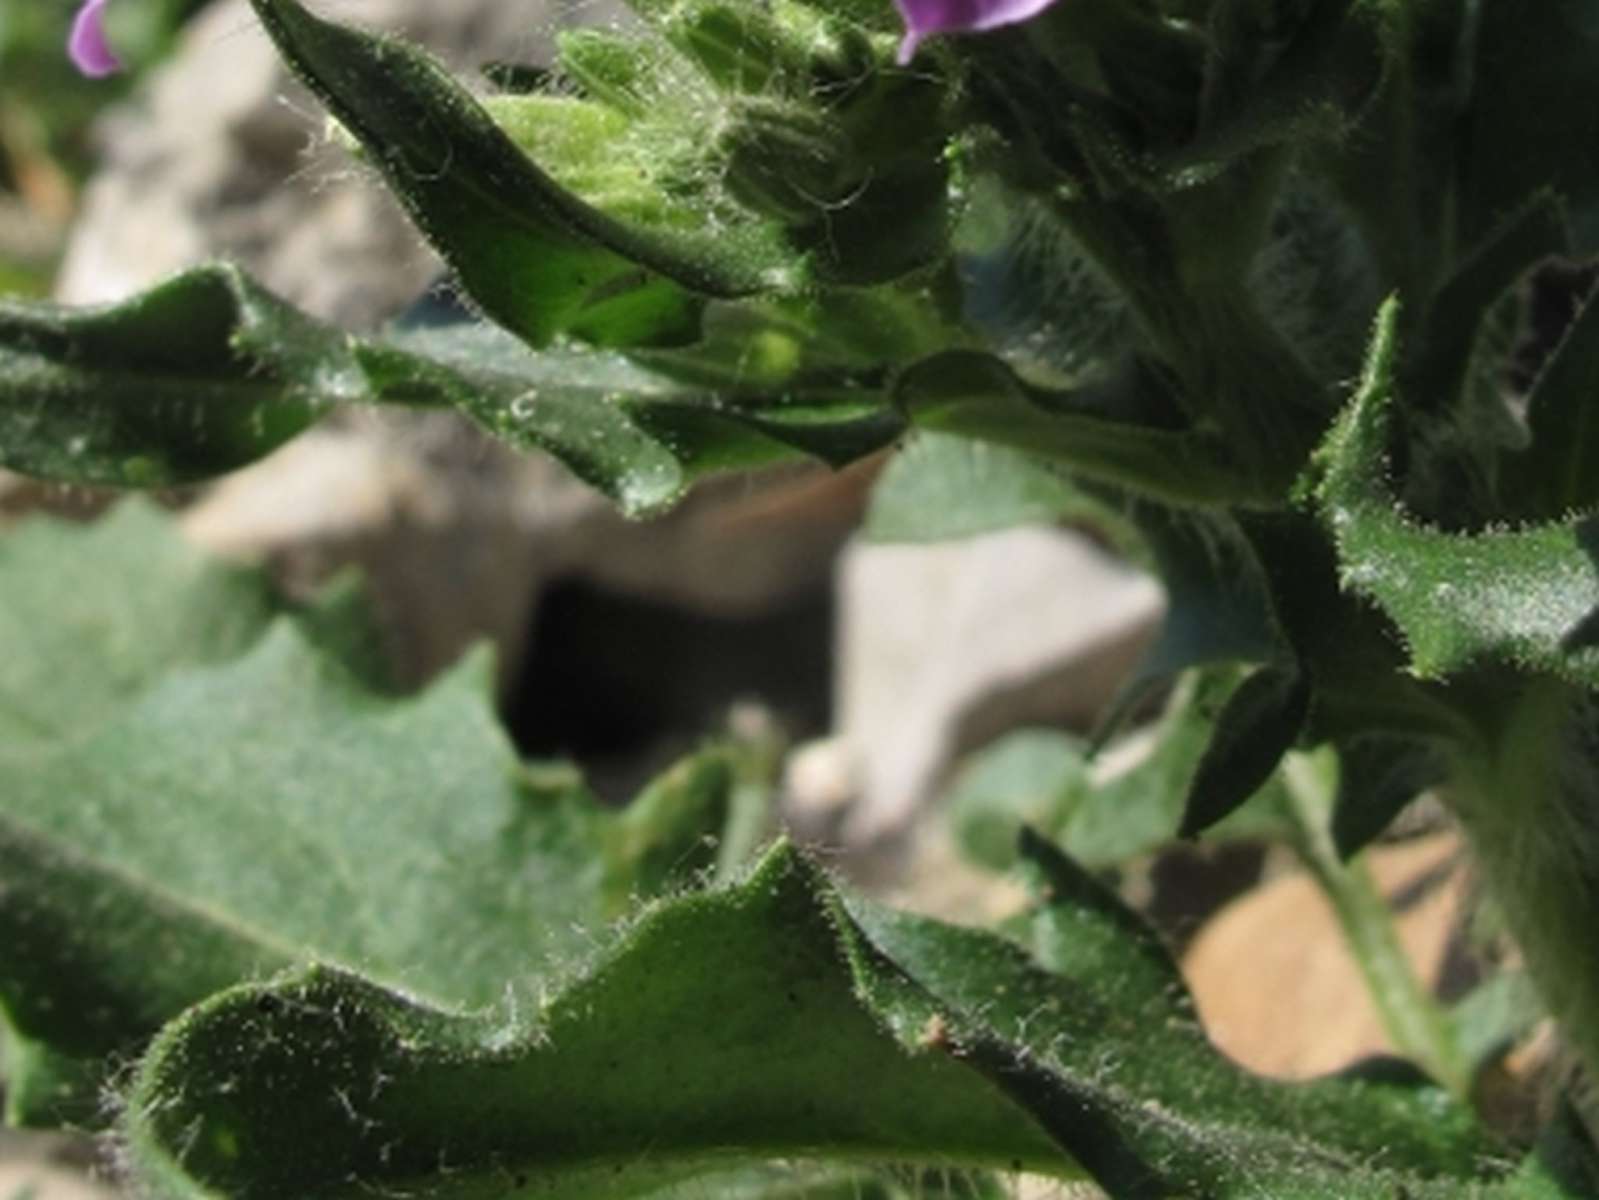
(1529, 805)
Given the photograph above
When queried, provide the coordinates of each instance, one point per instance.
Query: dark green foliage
(1115, 264)
(1259, 724)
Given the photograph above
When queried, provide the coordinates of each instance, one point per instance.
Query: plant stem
(1414, 1022)
(1527, 806)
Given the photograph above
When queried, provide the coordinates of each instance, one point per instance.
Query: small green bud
(738, 46)
(786, 161)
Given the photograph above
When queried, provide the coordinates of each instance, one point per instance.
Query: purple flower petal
(87, 45)
(924, 18)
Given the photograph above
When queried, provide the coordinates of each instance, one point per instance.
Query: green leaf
(1043, 779)
(171, 607)
(940, 487)
(977, 396)
(1532, 93)
(1558, 471)
(198, 376)
(1258, 725)
(1378, 775)
(1461, 305)
(1458, 600)
(637, 434)
(1181, 1120)
(209, 371)
(1491, 1018)
(1217, 607)
(225, 818)
(535, 257)
(726, 1026)
(1034, 778)
(842, 1030)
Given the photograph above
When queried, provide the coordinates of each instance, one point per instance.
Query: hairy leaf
(638, 435)
(1458, 600)
(196, 377)
(538, 259)
(80, 649)
(209, 371)
(977, 396)
(726, 1026)
(230, 817)
(841, 1029)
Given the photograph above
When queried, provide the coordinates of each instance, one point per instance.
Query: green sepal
(614, 68)
(740, 47)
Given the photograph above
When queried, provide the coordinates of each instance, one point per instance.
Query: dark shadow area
(623, 684)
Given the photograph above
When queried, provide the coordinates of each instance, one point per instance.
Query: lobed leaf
(230, 817)
(842, 1030)
(1458, 600)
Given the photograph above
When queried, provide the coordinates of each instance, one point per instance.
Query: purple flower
(924, 18)
(87, 44)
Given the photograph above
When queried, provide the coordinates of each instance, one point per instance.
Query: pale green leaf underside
(221, 820)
